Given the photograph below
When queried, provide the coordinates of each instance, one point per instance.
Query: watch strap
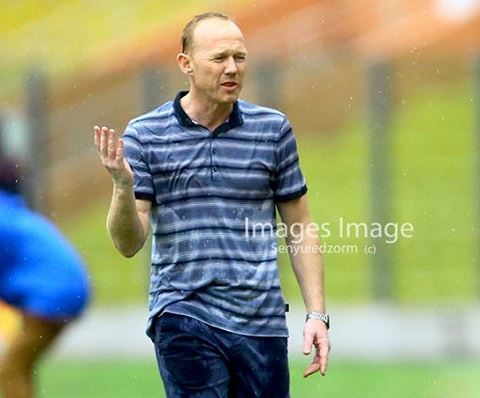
(325, 318)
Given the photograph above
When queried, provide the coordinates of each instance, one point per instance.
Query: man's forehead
(216, 31)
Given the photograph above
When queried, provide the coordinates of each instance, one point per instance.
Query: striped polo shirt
(213, 194)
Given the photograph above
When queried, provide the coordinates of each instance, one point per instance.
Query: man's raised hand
(110, 149)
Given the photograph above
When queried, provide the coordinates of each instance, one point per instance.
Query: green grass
(60, 379)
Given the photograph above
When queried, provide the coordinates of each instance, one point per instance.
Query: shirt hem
(166, 311)
(292, 196)
(144, 196)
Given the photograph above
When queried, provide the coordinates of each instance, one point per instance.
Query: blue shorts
(197, 360)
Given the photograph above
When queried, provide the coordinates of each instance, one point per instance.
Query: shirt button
(215, 168)
(214, 151)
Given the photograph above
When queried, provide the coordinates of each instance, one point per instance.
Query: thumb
(307, 343)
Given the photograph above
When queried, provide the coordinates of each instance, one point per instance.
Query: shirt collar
(234, 120)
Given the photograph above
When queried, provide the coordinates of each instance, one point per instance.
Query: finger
(323, 352)
(96, 137)
(307, 343)
(111, 144)
(103, 142)
(323, 366)
(313, 368)
(120, 146)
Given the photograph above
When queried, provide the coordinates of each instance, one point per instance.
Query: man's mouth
(230, 84)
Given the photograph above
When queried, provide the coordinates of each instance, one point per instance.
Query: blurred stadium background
(384, 98)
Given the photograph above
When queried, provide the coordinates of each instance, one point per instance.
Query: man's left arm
(307, 263)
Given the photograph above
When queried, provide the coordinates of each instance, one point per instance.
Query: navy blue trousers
(197, 360)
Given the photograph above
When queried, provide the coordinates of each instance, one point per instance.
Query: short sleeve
(136, 158)
(289, 181)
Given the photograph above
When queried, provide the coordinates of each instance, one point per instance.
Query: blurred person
(204, 168)
(41, 276)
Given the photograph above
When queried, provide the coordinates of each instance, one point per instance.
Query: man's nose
(231, 66)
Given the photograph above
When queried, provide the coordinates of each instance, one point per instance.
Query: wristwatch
(325, 318)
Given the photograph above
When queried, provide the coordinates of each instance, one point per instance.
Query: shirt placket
(213, 158)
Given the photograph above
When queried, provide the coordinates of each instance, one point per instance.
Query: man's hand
(110, 149)
(315, 334)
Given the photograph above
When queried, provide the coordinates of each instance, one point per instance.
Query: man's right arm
(128, 218)
(128, 221)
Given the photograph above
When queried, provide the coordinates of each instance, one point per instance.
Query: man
(205, 168)
(42, 276)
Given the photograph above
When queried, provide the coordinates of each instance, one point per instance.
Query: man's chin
(230, 98)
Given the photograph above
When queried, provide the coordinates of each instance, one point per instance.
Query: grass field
(344, 380)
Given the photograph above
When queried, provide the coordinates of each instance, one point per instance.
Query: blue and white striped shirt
(207, 190)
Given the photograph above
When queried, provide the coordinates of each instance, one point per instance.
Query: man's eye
(240, 58)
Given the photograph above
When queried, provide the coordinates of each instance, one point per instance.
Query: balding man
(209, 171)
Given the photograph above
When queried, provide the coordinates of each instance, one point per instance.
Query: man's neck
(207, 114)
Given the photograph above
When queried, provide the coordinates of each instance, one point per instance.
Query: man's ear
(184, 63)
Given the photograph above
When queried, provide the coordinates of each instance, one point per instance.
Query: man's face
(218, 58)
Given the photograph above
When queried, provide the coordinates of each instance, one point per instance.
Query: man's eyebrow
(227, 52)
